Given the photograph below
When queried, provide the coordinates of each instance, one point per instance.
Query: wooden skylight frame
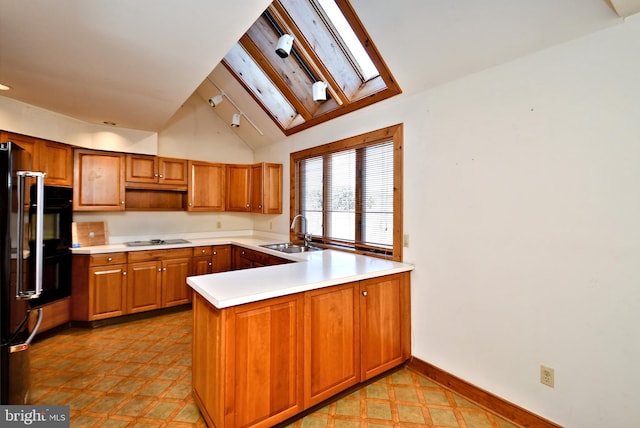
(317, 55)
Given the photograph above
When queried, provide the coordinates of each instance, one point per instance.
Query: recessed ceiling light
(4, 87)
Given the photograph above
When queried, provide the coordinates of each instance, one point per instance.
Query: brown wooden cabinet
(245, 258)
(113, 284)
(206, 186)
(163, 276)
(254, 188)
(238, 190)
(247, 363)
(332, 342)
(175, 271)
(211, 259)
(154, 172)
(144, 286)
(260, 363)
(266, 188)
(385, 330)
(56, 159)
(99, 286)
(98, 183)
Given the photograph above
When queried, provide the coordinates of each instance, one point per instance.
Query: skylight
(330, 45)
(350, 40)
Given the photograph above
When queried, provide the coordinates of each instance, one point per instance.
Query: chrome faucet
(303, 228)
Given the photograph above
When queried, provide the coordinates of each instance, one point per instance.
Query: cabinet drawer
(202, 251)
(107, 259)
(149, 255)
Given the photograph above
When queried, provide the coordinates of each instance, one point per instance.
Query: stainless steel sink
(290, 247)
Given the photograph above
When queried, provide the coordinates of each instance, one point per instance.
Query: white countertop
(312, 270)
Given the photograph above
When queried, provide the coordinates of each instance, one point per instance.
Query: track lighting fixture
(215, 101)
(285, 43)
(235, 120)
(320, 91)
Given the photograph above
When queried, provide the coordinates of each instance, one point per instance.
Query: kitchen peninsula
(274, 341)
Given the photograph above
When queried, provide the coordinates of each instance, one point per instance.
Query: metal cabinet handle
(124, 273)
(215, 253)
(164, 269)
(159, 269)
(155, 175)
(203, 251)
(110, 259)
(210, 264)
(364, 293)
(161, 176)
(121, 202)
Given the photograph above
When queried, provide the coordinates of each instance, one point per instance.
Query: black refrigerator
(18, 323)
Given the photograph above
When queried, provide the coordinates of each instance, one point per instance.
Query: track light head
(320, 91)
(285, 43)
(235, 120)
(215, 101)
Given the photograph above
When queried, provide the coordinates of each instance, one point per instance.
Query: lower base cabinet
(115, 284)
(258, 364)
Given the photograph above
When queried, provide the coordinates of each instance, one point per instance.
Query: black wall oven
(56, 272)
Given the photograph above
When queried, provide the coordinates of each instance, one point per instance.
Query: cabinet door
(106, 291)
(141, 169)
(29, 144)
(98, 184)
(208, 361)
(238, 188)
(221, 258)
(175, 290)
(265, 345)
(384, 323)
(202, 265)
(57, 161)
(257, 202)
(172, 171)
(144, 287)
(205, 191)
(332, 342)
(272, 188)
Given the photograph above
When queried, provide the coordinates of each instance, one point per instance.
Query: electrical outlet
(547, 376)
(406, 241)
(218, 224)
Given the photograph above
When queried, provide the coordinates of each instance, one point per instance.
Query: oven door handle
(21, 292)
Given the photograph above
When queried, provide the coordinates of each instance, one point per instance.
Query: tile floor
(138, 374)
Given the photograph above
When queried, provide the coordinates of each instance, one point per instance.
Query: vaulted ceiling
(136, 63)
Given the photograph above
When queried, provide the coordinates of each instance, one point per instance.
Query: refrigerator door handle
(25, 345)
(21, 293)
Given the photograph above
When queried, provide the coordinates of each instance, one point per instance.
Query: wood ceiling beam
(256, 53)
(308, 53)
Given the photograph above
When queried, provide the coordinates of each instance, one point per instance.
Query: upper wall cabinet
(254, 188)
(48, 156)
(98, 184)
(153, 172)
(206, 186)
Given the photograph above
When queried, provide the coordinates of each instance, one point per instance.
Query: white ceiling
(136, 62)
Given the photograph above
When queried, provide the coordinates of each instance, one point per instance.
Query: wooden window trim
(393, 133)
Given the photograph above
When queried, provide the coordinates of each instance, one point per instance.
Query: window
(330, 45)
(350, 192)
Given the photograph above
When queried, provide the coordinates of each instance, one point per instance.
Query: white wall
(522, 201)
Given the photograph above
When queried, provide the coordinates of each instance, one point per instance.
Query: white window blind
(347, 197)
